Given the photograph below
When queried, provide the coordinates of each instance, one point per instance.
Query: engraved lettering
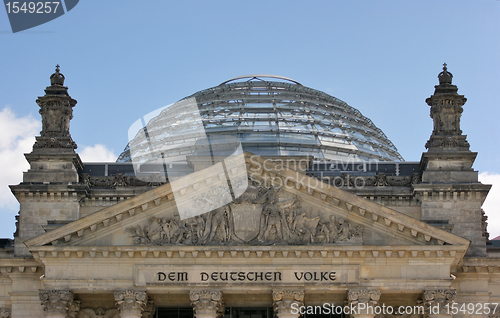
(204, 276)
(332, 276)
(161, 276)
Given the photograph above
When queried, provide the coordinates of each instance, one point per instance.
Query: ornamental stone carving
(149, 310)
(346, 180)
(207, 303)
(436, 301)
(118, 180)
(53, 142)
(98, 313)
(366, 296)
(261, 216)
(4, 312)
(283, 301)
(56, 109)
(56, 303)
(131, 303)
(446, 111)
(74, 309)
(362, 302)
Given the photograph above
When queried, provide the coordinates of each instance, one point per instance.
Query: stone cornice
(478, 265)
(451, 253)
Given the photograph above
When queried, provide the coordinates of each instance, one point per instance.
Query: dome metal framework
(270, 116)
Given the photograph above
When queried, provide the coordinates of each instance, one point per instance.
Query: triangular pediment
(277, 207)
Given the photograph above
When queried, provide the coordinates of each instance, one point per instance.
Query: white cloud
(97, 153)
(17, 138)
(492, 203)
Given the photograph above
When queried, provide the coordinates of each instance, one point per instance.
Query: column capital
(207, 303)
(55, 302)
(131, 303)
(366, 296)
(362, 302)
(4, 312)
(435, 301)
(283, 300)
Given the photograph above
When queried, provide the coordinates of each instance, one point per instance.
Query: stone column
(287, 302)
(56, 303)
(207, 303)
(4, 312)
(131, 303)
(437, 303)
(362, 302)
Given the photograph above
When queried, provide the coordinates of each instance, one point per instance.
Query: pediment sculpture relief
(261, 216)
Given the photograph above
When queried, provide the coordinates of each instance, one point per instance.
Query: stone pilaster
(4, 312)
(207, 303)
(285, 300)
(437, 303)
(131, 303)
(362, 302)
(56, 303)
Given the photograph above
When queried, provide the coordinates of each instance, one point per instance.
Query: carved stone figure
(220, 229)
(327, 231)
(305, 227)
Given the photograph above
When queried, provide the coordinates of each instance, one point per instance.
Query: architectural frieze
(346, 180)
(250, 252)
(269, 217)
(118, 180)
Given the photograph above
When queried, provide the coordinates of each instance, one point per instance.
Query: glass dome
(270, 116)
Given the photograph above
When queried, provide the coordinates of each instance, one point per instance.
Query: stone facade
(115, 246)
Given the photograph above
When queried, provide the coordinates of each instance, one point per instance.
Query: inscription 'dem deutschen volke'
(242, 276)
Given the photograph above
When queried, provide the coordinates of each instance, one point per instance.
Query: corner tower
(50, 193)
(450, 193)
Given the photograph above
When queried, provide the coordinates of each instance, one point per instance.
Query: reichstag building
(256, 198)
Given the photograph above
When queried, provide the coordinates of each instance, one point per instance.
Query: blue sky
(124, 59)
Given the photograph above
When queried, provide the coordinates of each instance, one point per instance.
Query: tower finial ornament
(445, 77)
(57, 78)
